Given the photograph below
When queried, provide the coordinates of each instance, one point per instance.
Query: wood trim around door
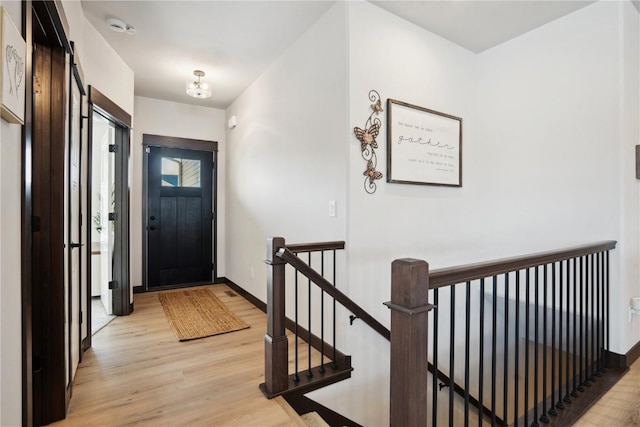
(99, 100)
(175, 142)
(149, 140)
(25, 259)
(100, 104)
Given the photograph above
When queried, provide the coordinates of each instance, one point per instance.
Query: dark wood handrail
(315, 247)
(452, 275)
(287, 255)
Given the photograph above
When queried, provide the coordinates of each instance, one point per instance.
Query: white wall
(550, 120)
(286, 159)
(10, 277)
(627, 333)
(552, 105)
(102, 66)
(404, 62)
(105, 70)
(10, 259)
(166, 118)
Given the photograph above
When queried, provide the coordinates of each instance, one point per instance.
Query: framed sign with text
(423, 146)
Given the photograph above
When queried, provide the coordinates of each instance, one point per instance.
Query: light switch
(332, 208)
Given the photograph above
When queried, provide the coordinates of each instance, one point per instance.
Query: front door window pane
(178, 172)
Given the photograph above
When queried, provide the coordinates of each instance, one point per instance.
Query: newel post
(409, 313)
(276, 364)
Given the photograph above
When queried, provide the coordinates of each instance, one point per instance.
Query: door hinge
(213, 266)
(81, 317)
(113, 216)
(37, 85)
(113, 284)
(113, 148)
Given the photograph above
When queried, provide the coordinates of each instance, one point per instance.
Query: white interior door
(74, 227)
(103, 233)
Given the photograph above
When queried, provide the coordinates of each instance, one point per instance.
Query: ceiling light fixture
(198, 88)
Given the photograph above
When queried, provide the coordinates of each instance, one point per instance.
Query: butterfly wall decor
(368, 144)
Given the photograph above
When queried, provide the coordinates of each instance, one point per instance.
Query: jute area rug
(198, 313)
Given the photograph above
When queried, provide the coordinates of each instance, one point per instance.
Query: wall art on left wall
(12, 61)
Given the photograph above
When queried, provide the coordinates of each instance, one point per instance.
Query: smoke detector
(120, 26)
(117, 25)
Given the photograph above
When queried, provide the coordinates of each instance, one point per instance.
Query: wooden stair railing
(566, 336)
(278, 381)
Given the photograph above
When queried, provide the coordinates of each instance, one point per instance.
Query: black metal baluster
(552, 408)
(574, 392)
(593, 324)
(536, 345)
(296, 377)
(563, 285)
(607, 302)
(452, 347)
(599, 312)
(466, 354)
(544, 418)
(309, 372)
(581, 333)
(481, 355)
(505, 391)
(567, 396)
(494, 337)
(434, 387)
(333, 359)
(585, 317)
(322, 370)
(526, 351)
(516, 414)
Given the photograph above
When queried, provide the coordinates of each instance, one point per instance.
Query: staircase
(518, 341)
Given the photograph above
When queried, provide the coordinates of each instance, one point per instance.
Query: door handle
(76, 245)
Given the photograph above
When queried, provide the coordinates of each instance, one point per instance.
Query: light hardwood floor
(620, 407)
(137, 373)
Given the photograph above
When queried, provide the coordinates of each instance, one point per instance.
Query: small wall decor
(12, 62)
(424, 146)
(368, 144)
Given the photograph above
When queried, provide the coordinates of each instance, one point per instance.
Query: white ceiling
(482, 24)
(235, 41)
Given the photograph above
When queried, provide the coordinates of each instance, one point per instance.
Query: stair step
(313, 419)
(296, 419)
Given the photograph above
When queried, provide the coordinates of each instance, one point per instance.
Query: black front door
(179, 216)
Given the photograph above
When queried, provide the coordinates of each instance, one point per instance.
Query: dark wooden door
(180, 215)
(48, 240)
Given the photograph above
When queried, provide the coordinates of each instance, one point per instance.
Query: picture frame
(12, 62)
(424, 146)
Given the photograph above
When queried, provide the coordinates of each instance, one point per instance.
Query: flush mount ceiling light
(198, 88)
